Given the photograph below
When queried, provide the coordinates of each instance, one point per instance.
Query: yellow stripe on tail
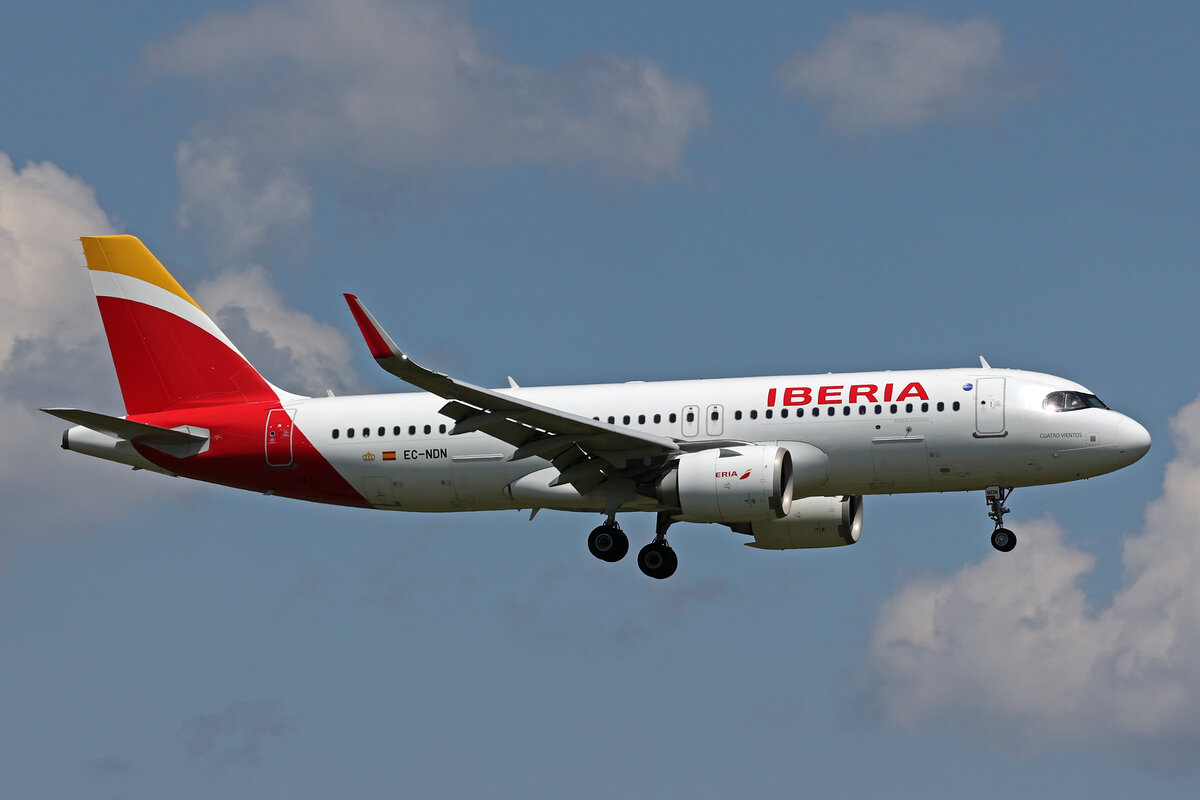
(126, 255)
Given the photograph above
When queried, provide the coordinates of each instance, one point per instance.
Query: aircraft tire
(1003, 540)
(658, 561)
(608, 543)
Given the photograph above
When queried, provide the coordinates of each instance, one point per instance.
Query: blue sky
(592, 192)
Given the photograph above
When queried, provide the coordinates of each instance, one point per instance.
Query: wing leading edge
(585, 451)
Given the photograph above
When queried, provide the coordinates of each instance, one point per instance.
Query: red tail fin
(168, 353)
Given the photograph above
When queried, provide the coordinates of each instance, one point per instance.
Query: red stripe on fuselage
(236, 455)
(163, 361)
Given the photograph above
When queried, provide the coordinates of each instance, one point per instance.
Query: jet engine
(810, 522)
(728, 484)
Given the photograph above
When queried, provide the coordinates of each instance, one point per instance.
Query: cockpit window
(1071, 401)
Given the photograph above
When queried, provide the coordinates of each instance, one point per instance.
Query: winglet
(983, 363)
(378, 341)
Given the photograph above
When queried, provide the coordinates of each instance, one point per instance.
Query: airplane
(782, 461)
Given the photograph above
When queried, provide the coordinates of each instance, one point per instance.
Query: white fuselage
(882, 432)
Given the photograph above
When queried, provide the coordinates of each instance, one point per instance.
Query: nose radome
(1132, 439)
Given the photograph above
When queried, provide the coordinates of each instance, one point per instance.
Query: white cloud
(43, 212)
(353, 91)
(1010, 648)
(244, 204)
(51, 352)
(899, 71)
(287, 346)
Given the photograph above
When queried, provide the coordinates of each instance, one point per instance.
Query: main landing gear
(609, 543)
(1003, 539)
(657, 559)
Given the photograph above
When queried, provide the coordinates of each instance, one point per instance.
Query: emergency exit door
(989, 407)
(279, 437)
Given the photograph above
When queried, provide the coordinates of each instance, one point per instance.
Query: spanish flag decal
(389, 455)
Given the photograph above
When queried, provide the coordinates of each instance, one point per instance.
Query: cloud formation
(1010, 649)
(287, 346)
(222, 190)
(51, 350)
(346, 93)
(899, 71)
(43, 212)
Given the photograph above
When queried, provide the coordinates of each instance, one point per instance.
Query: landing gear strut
(1003, 539)
(657, 559)
(608, 542)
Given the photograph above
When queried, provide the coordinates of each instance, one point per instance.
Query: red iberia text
(834, 395)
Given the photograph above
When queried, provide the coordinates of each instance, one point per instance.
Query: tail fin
(168, 353)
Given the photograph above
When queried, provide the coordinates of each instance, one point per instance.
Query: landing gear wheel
(608, 543)
(657, 560)
(1003, 539)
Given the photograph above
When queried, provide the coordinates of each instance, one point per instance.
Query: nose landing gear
(1003, 539)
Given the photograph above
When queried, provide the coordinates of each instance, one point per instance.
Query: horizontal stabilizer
(119, 428)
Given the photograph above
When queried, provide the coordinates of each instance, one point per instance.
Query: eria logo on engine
(740, 477)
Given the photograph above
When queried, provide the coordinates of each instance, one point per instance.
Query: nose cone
(1133, 441)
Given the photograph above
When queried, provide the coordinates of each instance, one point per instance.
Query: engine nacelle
(729, 484)
(811, 522)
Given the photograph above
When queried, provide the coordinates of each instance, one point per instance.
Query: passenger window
(657, 418)
(753, 413)
(845, 411)
(641, 419)
(612, 420)
(941, 406)
(862, 410)
(672, 418)
(956, 406)
(366, 432)
(715, 415)
(893, 408)
(783, 413)
(625, 420)
(878, 409)
(737, 415)
(349, 433)
(441, 428)
(691, 417)
(799, 412)
(829, 413)
(769, 413)
(336, 433)
(924, 407)
(908, 408)
(396, 431)
(428, 429)
(412, 430)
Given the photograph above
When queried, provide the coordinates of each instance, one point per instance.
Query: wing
(585, 451)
